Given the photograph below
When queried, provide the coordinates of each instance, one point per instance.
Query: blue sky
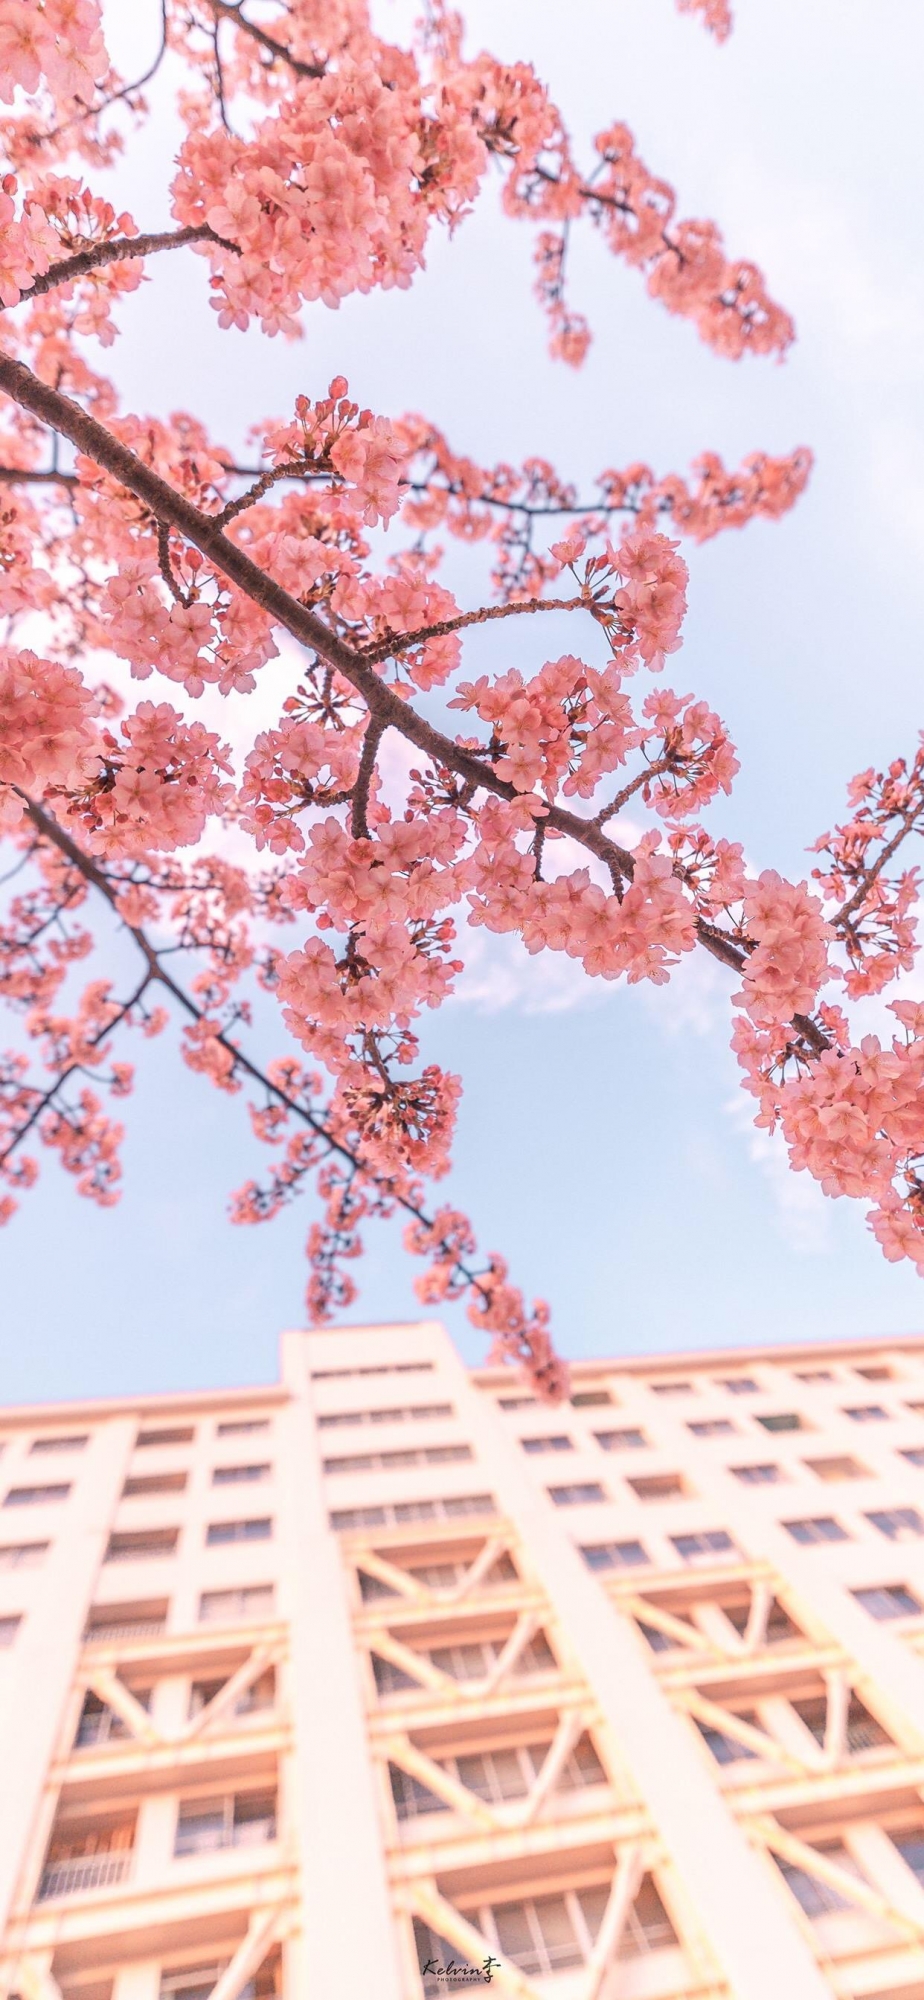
(604, 1145)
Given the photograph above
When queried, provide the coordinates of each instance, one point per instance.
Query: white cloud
(802, 1211)
(500, 973)
(696, 1000)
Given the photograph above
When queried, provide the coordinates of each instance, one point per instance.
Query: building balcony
(121, 1624)
(85, 1871)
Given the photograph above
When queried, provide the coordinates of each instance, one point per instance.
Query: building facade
(389, 1681)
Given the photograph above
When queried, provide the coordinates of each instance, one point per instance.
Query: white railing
(86, 1871)
(107, 1635)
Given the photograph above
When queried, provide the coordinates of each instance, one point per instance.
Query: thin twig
(870, 874)
(271, 477)
(401, 642)
(116, 96)
(225, 10)
(46, 1101)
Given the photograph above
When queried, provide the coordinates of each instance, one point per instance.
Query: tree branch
(50, 829)
(92, 438)
(120, 250)
(14, 475)
(870, 875)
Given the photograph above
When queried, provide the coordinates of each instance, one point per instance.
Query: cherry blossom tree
(394, 802)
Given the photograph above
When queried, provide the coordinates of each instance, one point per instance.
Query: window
(60, 1443)
(880, 1372)
(822, 1529)
(496, 1775)
(466, 1660)
(915, 1455)
(261, 1694)
(758, 1475)
(728, 1749)
(712, 1427)
(422, 1411)
(361, 1517)
(229, 1607)
(23, 1555)
(34, 1496)
(779, 1624)
(412, 1799)
(154, 1482)
(434, 1955)
(630, 1440)
(547, 1934)
(557, 1443)
(471, 1659)
(172, 1434)
(836, 1468)
(586, 1399)
(815, 1897)
(660, 1486)
(241, 1820)
(517, 1402)
(614, 1555)
(444, 1575)
(198, 1982)
(391, 1461)
(194, 1982)
(100, 1724)
(814, 1375)
(241, 1426)
(738, 1385)
(708, 1542)
(888, 1600)
(910, 1845)
(239, 1475)
(389, 1678)
(782, 1420)
(134, 1545)
(9, 1626)
(381, 1368)
(900, 1524)
(144, 1619)
(671, 1388)
(660, 1642)
(575, 1496)
(400, 1511)
(238, 1531)
(867, 1413)
(863, 1732)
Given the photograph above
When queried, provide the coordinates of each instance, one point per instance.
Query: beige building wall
(389, 1681)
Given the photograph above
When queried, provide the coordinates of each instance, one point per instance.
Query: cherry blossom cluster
(55, 42)
(48, 736)
(347, 149)
(716, 15)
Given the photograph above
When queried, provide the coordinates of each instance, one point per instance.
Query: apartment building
(389, 1681)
